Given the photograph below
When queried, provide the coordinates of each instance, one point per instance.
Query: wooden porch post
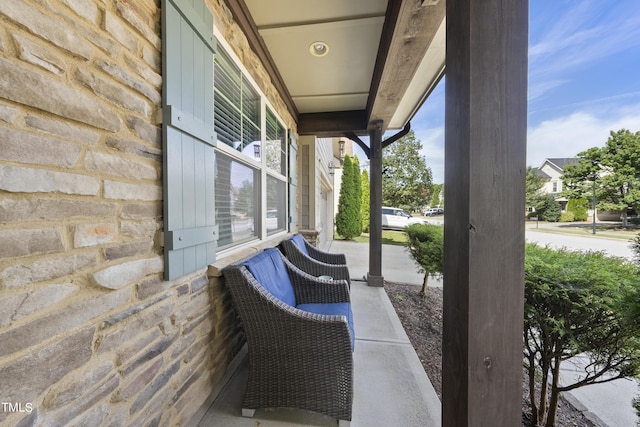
(485, 144)
(374, 276)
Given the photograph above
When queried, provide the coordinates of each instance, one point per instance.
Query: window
(276, 205)
(555, 186)
(237, 108)
(276, 146)
(251, 159)
(237, 201)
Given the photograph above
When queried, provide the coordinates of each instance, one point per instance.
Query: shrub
(548, 209)
(567, 217)
(578, 303)
(426, 247)
(348, 221)
(579, 207)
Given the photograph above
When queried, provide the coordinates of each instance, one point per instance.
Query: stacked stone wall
(90, 333)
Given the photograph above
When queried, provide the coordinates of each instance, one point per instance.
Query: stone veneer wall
(90, 334)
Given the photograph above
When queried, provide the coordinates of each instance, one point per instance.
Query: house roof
(560, 163)
(541, 173)
(382, 58)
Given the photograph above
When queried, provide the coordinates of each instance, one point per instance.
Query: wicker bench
(314, 261)
(299, 334)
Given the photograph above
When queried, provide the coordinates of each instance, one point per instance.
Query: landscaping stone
(145, 131)
(70, 317)
(120, 275)
(46, 209)
(18, 243)
(72, 388)
(29, 180)
(138, 382)
(126, 191)
(24, 379)
(110, 164)
(87, 400)
(151, 389)
(48, 93)
(114, 26)
(109, 90)
(148, 354)
(14, 307)
(45, 26)
(94, 234)
(36, 54)
(144, 321)
(64, 130)
(125, 352)
(128, 250)
(86, 9)
(38, 270)
(28, 147)
(140, 229)
(127, 145)
(126, 78)
(141, 210)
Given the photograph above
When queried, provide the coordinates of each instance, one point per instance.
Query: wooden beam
(485, 145)
(374, 276)
(332, 124)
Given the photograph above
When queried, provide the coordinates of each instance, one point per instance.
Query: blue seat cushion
(300, 243)
(269, 270)
(337, 308)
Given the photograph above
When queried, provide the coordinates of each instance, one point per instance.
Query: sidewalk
(390, 385)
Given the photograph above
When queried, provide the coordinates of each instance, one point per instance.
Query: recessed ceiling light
(319, 48)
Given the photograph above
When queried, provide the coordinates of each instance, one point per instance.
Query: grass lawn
(389, 237)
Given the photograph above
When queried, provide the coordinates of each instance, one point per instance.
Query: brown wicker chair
(314, 261)
(299, 335)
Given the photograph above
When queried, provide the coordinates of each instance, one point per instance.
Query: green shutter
(293, 182)
(188, 46)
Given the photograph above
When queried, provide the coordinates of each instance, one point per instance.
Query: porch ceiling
(384, 57)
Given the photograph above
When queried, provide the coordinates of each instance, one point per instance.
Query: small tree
(426, 247)
(578, 303)
(406, 178)
(348, 216)
(357, 185)
(548, 209)
(533, 187)
(366, 195)
(579, 208)
(435, 198)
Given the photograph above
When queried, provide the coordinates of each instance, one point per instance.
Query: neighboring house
(145, 145)
(551, 171)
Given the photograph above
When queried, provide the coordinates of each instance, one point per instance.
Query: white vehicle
(398, 219)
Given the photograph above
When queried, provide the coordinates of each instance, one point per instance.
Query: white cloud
(567, 136)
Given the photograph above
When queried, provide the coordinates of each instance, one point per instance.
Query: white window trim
(261, 164)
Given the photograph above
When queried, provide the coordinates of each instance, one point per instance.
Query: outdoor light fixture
(341, 143)
(331, 168)
(256, 151)
(319, 48)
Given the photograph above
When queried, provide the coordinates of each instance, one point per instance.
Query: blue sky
(584, 81)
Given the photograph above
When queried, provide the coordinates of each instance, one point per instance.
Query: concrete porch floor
(390, 385)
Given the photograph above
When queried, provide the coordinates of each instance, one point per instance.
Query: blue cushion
(269, 270)
(337, 308)
(300, 243)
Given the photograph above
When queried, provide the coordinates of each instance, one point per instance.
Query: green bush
(567, 217)
(426, 247)
(348, 218)
(548, 209)
(579, 207)
(578, 303)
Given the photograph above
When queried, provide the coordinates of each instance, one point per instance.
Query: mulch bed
(421, 318)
